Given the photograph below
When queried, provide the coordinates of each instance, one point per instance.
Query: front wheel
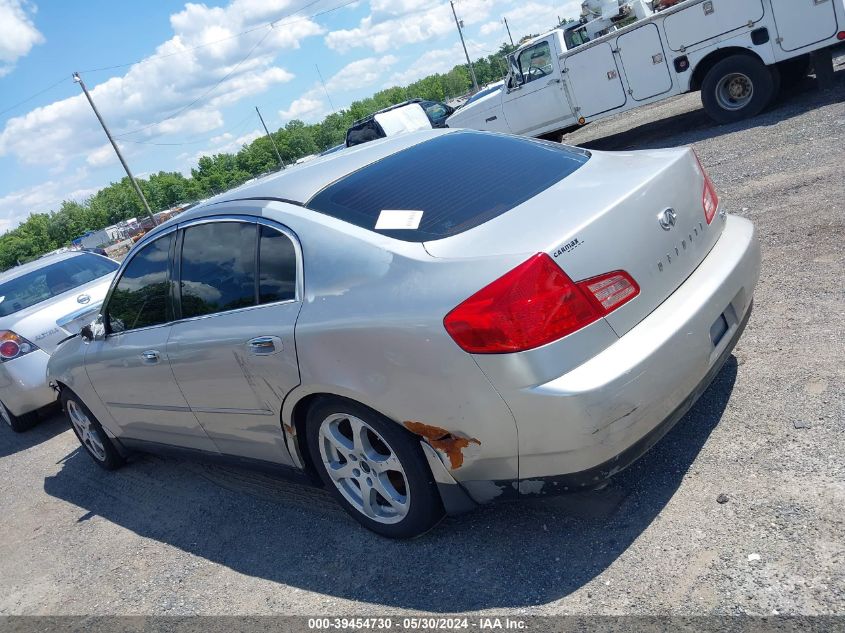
(90, 433)
(18, 423)
(738, 87)
(374, 468)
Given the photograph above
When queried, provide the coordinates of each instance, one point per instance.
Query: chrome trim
(78, 314)
(233, 411)
(147, 407)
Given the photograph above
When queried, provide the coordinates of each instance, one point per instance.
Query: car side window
(217, 268)
(536, 62)
(276, 266)
(142, 296)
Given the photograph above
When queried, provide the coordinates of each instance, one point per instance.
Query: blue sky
(51, 147)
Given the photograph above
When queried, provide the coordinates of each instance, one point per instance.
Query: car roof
(298, 184)
(41, 262)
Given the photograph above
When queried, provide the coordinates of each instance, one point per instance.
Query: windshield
(52, 280)
(447, 185)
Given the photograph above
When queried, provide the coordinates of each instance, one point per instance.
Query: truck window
(536, 62)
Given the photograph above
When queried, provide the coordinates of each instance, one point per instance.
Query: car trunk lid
(611, 215)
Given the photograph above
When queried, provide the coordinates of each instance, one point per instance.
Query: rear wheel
(90, 433)
(18, 423)
(375, 469)
(738, 87)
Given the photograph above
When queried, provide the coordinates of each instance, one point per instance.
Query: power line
(37, 94)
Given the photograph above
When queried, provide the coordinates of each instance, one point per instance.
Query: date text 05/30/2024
(413, 624)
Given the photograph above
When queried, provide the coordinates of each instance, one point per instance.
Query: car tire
(738, 87)
(90, 433)
(383, 479)
(18, 423)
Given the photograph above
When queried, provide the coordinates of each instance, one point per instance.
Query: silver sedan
(42, 303)
(423, 323)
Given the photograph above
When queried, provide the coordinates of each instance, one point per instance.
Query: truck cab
(531, 101)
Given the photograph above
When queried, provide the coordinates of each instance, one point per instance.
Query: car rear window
(457, 181)
(52, 280)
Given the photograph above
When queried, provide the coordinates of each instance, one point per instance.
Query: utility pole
(505, 20)
(272, 142)
(134, 182)
(461, 33)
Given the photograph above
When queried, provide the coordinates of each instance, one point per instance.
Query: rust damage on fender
(290, 429)
(443, 440)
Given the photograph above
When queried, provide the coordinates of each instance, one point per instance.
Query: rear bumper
(23, 383)
(582, 427)
(592, 477)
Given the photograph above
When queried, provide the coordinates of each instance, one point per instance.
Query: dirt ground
(164, 536)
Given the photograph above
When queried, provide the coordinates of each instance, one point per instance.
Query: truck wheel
(18, 423)
(375, 469)
(738, 87)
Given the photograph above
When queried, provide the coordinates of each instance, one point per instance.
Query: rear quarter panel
(371, 329)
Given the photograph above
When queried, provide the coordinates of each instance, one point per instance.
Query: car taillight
(710, 199)
(611, 290)
(13, 346)
(532, 305)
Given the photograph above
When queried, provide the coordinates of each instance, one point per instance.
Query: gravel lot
(164, 536)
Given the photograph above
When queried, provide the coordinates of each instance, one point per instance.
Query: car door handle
(265, 345)
(553, 81)
(151, 356)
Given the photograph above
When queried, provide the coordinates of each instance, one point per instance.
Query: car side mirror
(94, 331)
(515, 78)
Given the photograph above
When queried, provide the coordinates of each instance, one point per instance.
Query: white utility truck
(627, 53)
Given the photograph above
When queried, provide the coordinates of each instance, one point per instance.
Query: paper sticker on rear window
(393, 219)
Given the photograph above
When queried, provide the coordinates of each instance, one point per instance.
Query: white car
(41, 304)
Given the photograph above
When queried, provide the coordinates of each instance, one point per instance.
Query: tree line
(45, 232)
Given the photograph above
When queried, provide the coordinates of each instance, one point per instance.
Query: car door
(129, 368)
(233, 352)
(539, 103)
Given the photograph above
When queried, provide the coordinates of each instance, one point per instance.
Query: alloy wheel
(364, 468)
(85, 429)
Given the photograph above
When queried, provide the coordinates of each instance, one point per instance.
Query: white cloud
(174, 77)
(537, 17)
(16, 206)
(492, 27)
(360, 73)
(101, 156)
(436, 61)
(395, 24)
(223, 144)
(306, 108)
(17, 33)
(311, 107)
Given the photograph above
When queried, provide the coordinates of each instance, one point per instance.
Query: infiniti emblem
(83, 299)
(667, 219)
